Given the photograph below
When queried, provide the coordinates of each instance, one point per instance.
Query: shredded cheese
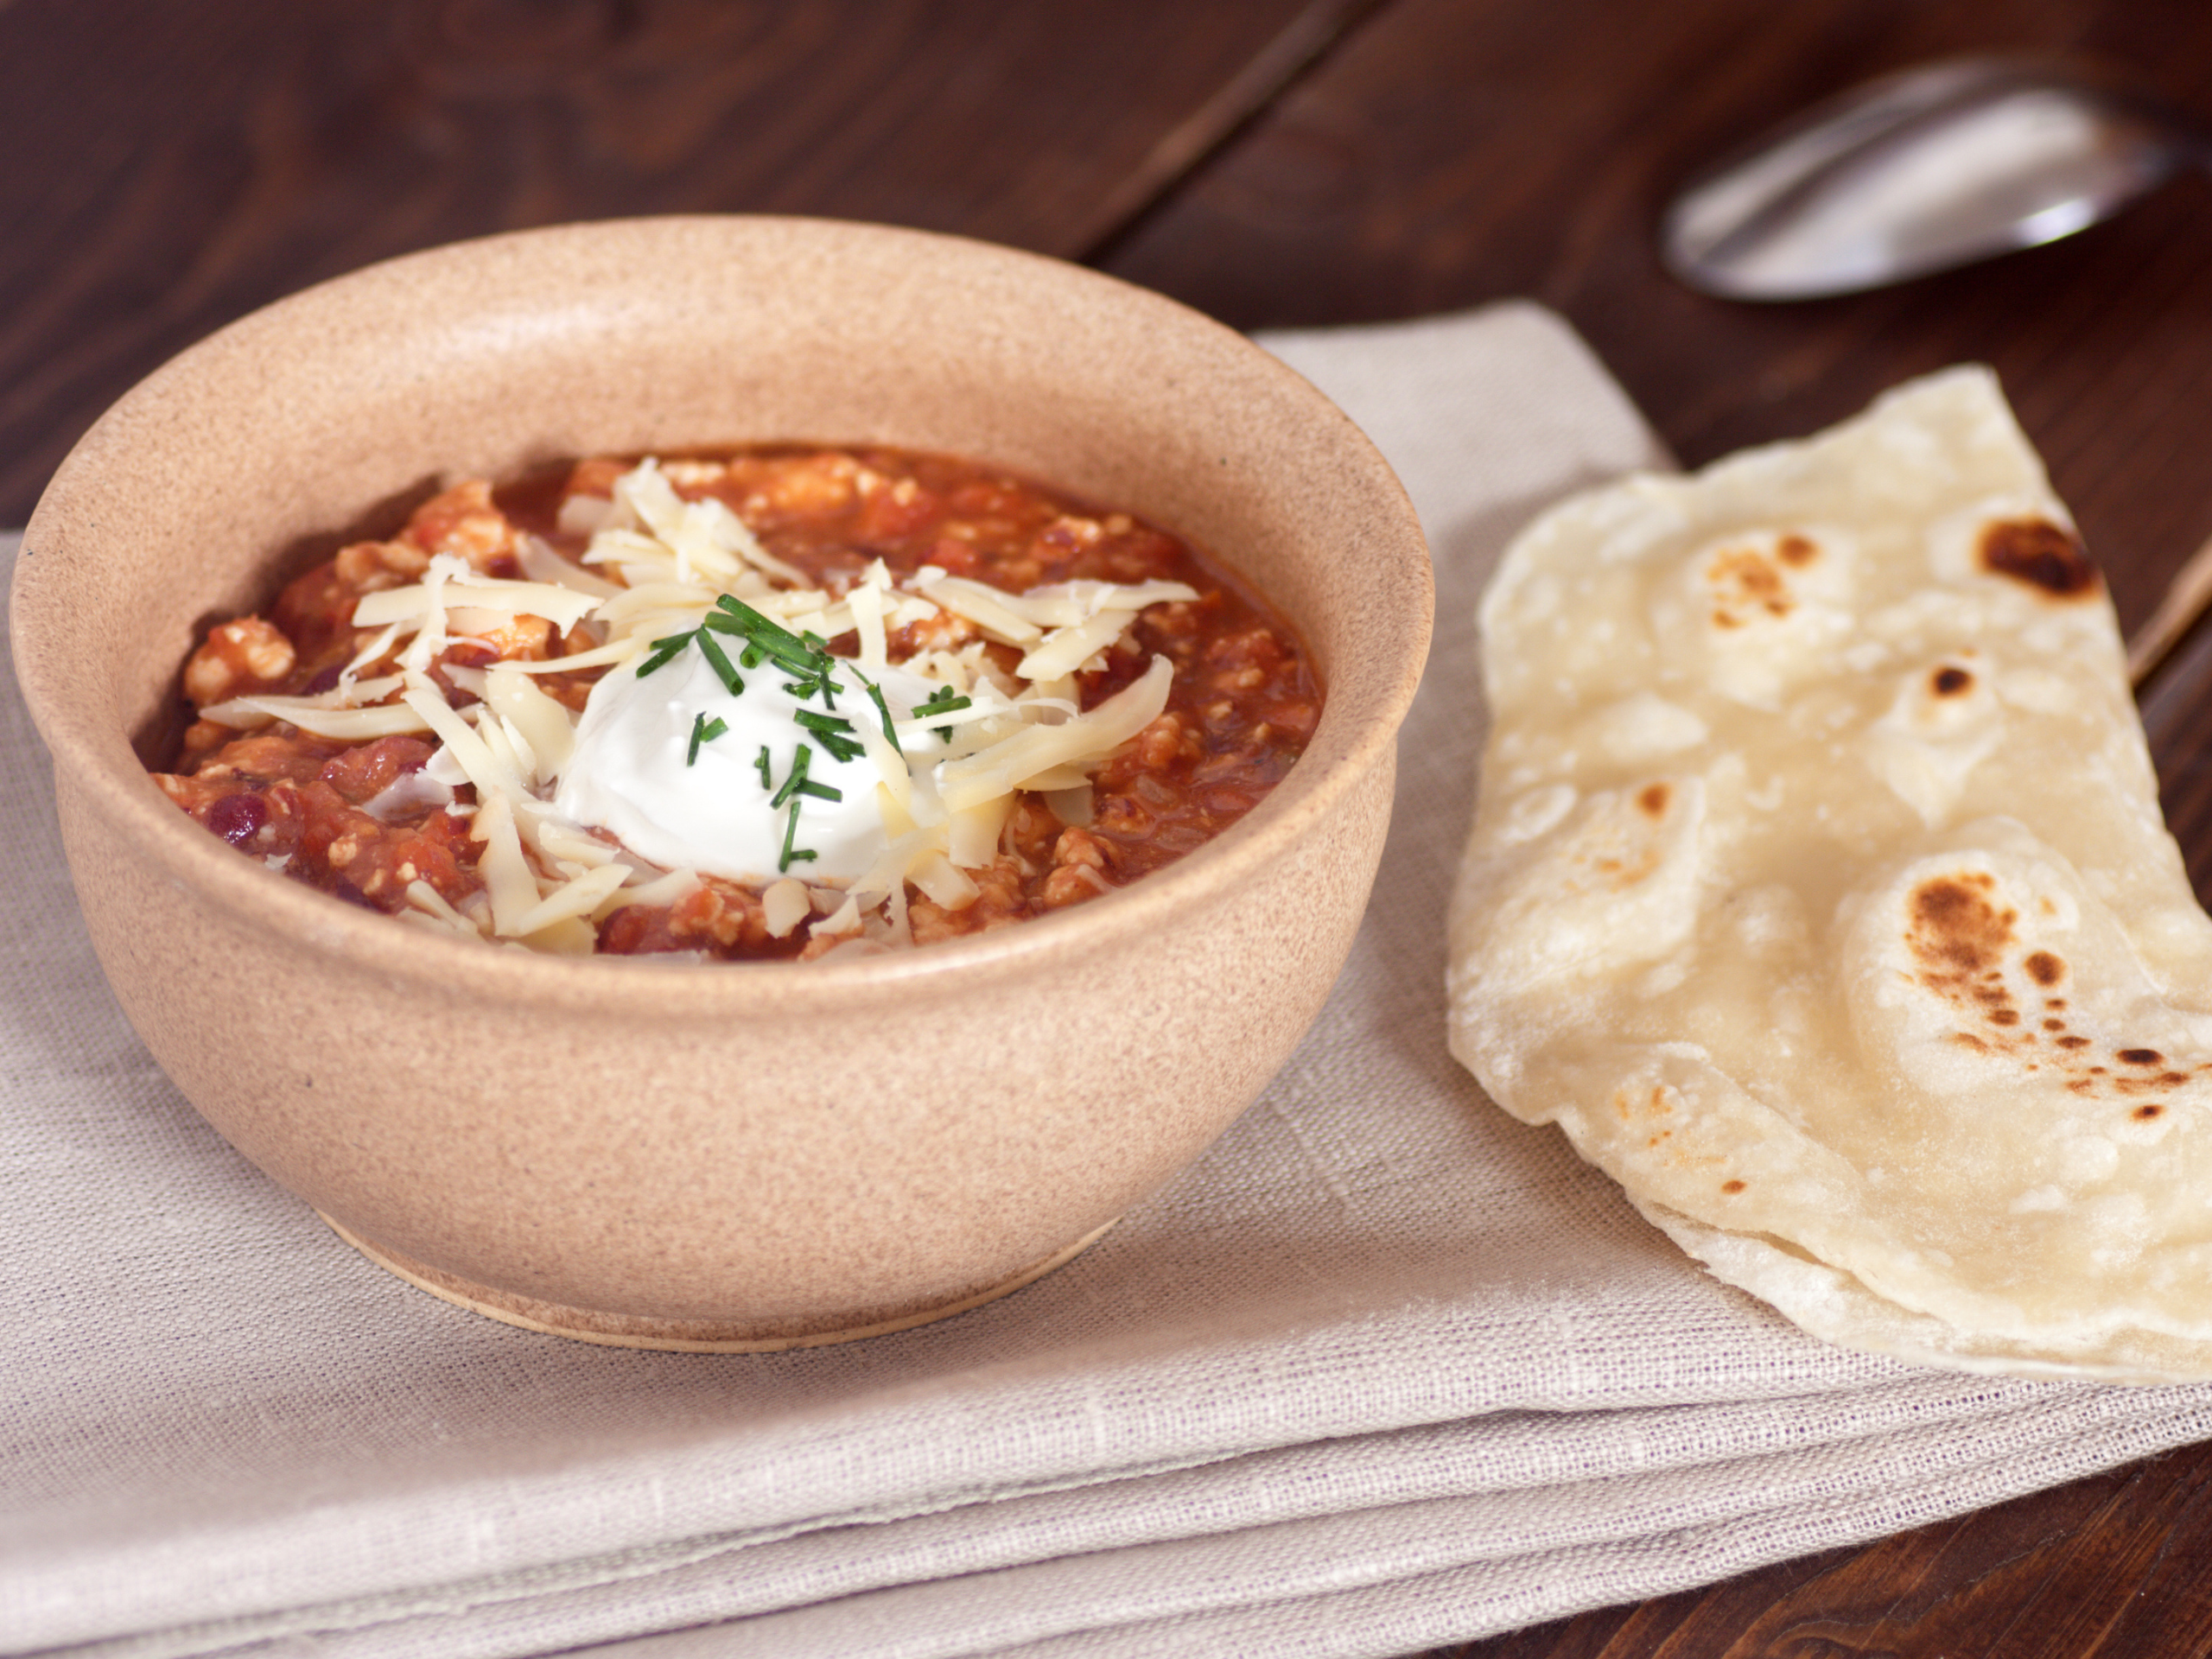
(986, 606)
(385, 720)
(944, 776)
(578, 897)
(1066, 650)
(508, 880)
(1012, 762)
(785, 905)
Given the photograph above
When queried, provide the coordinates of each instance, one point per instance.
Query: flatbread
(1818, 891)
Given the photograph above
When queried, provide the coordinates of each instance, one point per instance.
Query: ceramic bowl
(709, 1156)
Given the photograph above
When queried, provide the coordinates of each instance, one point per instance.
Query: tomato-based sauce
(380, 817)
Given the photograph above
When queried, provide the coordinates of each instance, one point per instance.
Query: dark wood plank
(1456, 152)
(2103, 1568)
(169, 167)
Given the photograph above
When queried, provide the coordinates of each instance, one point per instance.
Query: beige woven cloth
(1386, 1369)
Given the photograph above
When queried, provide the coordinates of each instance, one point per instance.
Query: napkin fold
(1386, 1369)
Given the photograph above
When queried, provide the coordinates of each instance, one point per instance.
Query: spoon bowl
(1919, 172)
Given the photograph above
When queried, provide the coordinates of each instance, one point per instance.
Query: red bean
(237, 818)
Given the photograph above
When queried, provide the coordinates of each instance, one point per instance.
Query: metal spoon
(1921, 171)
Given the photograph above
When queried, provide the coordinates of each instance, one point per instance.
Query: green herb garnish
(665, 652)
(830, 731)
(882, 709)
(719, 661)
(796, 781)
(767, 777)
(703, 731)
(793, 653)
(791, 834)
(942, 701)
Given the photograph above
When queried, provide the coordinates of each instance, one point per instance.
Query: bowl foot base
(685, 1336)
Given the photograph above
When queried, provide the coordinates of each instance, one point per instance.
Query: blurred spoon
(1918, 172)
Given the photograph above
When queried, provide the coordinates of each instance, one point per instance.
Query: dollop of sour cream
(634, 775)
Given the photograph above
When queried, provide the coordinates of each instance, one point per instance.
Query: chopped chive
(719, 661)
(829, 731)
(703, 731)
(792, 657)
(767, 779)
(883, 708)
(797, 778)
(664, 652)
(941, 701)
(750, 618)
(791, 834)
(779, 642)
(822, 791)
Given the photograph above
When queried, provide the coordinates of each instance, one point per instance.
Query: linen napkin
(1385, 1369)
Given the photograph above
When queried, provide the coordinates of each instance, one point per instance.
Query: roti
(1818, 892)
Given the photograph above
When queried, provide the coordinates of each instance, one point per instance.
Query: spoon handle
(2187, 598)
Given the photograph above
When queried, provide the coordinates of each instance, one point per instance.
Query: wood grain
(166, 168)
(170, 168)
(2099, 1569)
(1454, 153)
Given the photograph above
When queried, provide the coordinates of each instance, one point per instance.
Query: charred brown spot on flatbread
(2151, 1111)
(1956, 932)
(2145, 1085)
(2045, 555)
(2140, 1057)
(1731, 1186)
(1949, 682)
(1653, 799)
(2044, 968)
(1796, 552)
(1655, 1103)
(1745, 583)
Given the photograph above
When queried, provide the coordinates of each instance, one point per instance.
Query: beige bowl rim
(1361, 711)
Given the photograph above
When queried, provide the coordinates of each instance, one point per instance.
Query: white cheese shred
(944, 788)
(1006, 765)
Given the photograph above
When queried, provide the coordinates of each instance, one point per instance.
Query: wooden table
(165, 167)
